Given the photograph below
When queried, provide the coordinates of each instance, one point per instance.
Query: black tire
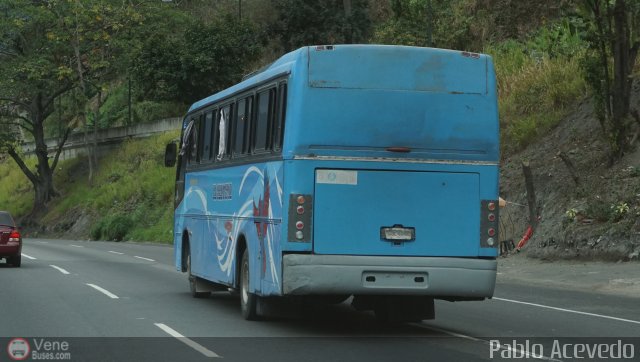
(15, 260)
(193, 279)
(248, 301)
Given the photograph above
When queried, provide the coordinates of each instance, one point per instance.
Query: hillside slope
(598, 218)
(131, 197)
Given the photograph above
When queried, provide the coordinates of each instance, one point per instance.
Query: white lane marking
(115, 252)
(76, 246)
(143, 258)
(59, 269)
(103, 291)
(42, 242)
(28, 257)
(198, 347)
(505, 348)
(568, 310)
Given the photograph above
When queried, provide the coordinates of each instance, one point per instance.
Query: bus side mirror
(170, 154)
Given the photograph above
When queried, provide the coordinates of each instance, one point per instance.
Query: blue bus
(363, 171)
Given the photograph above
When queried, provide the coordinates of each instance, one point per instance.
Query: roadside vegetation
(555, 61)
(539, 82)
(131, 197)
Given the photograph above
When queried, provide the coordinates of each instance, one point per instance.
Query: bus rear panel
(398, 149)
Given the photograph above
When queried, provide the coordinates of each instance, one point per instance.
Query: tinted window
(215, 131)
(205, 137)
(5, 219)
(192, 147)
(240, 143)
(264, 120)
(224, 130)
(282, 113)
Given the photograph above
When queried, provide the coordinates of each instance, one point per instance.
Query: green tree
(462, 24)
(310, 22)
(204, 59)
(47, 49)
(613, 30)
(33, 73)
(437, 23)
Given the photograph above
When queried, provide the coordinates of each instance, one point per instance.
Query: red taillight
(300, 211)
(489, 215)
(14, 236)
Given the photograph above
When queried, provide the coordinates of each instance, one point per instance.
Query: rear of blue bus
(391, 174)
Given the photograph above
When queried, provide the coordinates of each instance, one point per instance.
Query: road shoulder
(621, 278)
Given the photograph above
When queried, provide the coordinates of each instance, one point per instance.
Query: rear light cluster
(14, 238)
(489, 223)
(300, 218)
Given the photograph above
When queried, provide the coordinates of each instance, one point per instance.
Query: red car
(10, 240)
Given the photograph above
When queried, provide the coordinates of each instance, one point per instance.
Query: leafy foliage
(112, 227)
(310, 22)
(206, 58)
(537, 82)
(464, 24)
(132, 197)
(612, 29)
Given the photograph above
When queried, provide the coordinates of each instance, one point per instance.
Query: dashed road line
(568, 310)
(116, 252)
(103, 291)
(59, 269)
(191, 343)
(76, 246)
(143, 258)
(28, 257)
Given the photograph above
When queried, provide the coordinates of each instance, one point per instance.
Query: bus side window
(224, 131)
(215, 133)
(205, 137)
(193, 142)
(264, 121)
(281, 116)
(241, 126)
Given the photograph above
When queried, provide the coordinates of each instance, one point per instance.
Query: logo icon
(18, 349)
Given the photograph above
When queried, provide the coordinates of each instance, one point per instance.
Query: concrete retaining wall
(107, 138)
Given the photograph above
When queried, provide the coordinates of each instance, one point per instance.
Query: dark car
(10, 240)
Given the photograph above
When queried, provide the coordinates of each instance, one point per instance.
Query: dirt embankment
(595, 218)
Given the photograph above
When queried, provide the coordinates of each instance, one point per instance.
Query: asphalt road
(124, 301)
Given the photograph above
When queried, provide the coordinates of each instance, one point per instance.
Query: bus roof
(281, 66)
(326, 70)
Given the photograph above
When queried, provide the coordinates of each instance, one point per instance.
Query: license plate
(398, 233)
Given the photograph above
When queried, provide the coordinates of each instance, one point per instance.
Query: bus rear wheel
(248, 300)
